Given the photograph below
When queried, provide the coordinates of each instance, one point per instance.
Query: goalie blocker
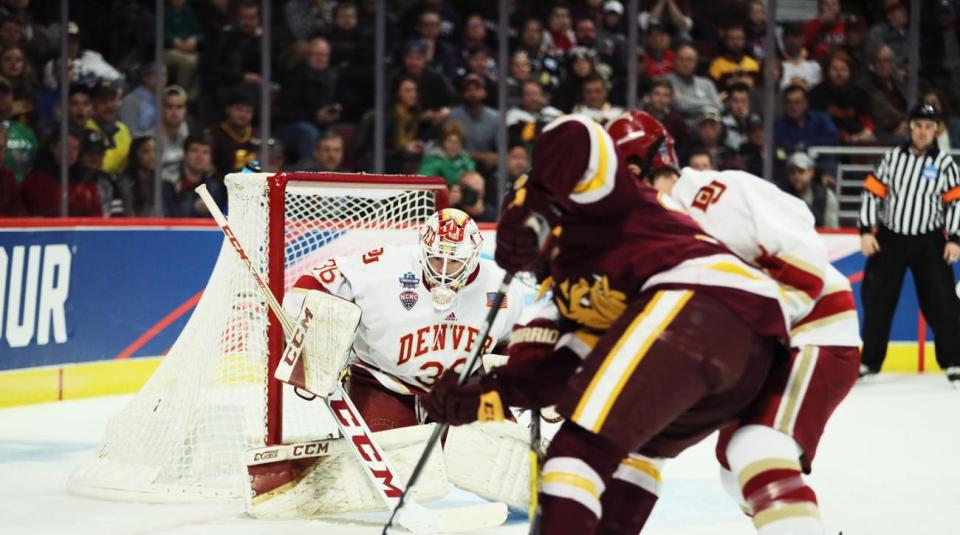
(317, 353)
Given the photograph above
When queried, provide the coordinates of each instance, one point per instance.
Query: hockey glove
(450, 403)
(525, 226)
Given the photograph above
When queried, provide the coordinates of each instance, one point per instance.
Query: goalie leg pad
(490, 460)
(318, 479)
(317, 351)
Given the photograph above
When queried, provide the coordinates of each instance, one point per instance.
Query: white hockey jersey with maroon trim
(775, 231)
(402, 340)
(833, 320)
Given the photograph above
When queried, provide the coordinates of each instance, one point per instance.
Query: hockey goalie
(389, 323)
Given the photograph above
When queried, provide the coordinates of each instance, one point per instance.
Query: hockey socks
(630, 495)
(766, 464)
(579, 465)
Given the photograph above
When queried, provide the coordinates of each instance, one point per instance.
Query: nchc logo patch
(408, 299)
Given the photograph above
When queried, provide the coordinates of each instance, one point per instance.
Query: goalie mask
(449, 254)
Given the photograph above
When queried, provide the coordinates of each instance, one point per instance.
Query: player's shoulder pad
(372, 261)
(578, 158)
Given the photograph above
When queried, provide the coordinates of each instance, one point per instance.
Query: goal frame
(277, 185)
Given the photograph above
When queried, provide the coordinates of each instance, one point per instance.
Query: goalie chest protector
(401, 334)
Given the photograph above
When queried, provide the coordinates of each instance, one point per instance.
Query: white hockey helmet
(449, 253)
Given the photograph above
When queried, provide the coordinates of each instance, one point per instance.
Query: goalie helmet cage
(213, 397)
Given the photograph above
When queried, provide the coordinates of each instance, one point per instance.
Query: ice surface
(889, 464)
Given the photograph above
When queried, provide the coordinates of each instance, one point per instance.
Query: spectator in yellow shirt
(734, 65)
(106, 108)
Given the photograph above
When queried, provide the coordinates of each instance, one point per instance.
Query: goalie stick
(382, 475)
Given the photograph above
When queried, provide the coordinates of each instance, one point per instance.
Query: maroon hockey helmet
(640, 138)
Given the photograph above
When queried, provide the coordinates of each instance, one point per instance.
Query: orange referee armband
(875, 187)
(953, 194)
(490, 408)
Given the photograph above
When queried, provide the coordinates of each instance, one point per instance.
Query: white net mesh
(182, 437)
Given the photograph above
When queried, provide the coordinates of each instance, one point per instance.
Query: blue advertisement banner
(92, 293)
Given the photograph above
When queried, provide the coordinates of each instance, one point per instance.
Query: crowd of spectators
(840, 81)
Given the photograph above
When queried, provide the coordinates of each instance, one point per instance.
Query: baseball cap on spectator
(80, 88)
(73, 29)
(104, 90)
(709, 113)
(614, 6)
(471, 80)
(656, 26)
(476, 49)
(754, 122)
(891, 5)
(175, 90)
(792, 28)
(414, 45)
(274, 147)
(21, 107)
(855, 23)
(92, 141)
(55, 134)
(579, 52)
(800, 160)
(239, 97)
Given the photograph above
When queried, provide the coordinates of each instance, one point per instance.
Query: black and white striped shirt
(912, 194)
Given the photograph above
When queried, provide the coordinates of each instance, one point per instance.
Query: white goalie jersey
(403, 341)
(775, 231)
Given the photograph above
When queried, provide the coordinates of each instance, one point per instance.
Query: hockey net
(182, 437)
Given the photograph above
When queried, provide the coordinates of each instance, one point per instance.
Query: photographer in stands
(471, 190)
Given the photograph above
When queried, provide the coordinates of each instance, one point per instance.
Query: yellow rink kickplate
(74, 381)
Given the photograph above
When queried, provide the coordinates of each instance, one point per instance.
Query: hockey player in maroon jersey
(764, 453)
(665, 334)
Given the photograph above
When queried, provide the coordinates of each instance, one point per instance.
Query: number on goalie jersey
(405, 340)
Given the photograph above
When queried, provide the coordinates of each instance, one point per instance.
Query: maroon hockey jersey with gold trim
(620, 237)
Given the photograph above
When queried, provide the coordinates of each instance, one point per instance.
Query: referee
(910, 217)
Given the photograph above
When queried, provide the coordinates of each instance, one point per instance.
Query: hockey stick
(464, 374)
(384, 477)
(536, 463)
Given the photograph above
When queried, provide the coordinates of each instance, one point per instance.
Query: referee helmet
(925, 112)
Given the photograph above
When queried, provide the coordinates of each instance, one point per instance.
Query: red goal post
(278, 185)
